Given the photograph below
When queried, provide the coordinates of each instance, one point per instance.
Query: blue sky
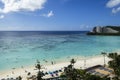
(58, 14)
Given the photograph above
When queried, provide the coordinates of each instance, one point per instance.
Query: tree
(115, 64)
(38, 66)
(104, 54)
(112, 55)
(79, 74)
(19, 78)
(70, 73)
(40, 74)
(72, 62)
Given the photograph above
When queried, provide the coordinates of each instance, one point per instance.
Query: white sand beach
(83, 63)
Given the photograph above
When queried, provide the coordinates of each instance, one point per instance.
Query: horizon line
(43, 30)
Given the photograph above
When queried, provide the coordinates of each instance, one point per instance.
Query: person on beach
(25, 71)
(22, 67)
(45, 60)
(12, 72)
(52, 62)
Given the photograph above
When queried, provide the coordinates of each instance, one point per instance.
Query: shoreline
(58, 60)
(81, 63)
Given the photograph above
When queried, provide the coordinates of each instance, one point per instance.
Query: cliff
(114, 27)
(105, 30)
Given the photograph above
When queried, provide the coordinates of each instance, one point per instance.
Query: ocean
(23, 48)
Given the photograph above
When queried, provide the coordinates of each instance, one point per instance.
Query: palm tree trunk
(104, 61)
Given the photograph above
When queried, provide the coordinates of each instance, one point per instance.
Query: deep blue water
(22, 48)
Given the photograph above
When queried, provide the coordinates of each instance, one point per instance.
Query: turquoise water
(24, 48)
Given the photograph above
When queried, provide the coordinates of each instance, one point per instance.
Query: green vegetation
(70, 73)
(39, 74)
(115, 65)
(19, 78)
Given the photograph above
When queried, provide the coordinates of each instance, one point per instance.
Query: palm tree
(115, 64)
(104, 54)
(40, 74)
(79, 74)
(72, 62)
(38, 66)
(112, 55)
(19, 78)
(69, 71)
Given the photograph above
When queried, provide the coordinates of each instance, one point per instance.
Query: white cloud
(50, 14)
(21, 5)
(2, 16)
(115, 10)
(114, 4)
